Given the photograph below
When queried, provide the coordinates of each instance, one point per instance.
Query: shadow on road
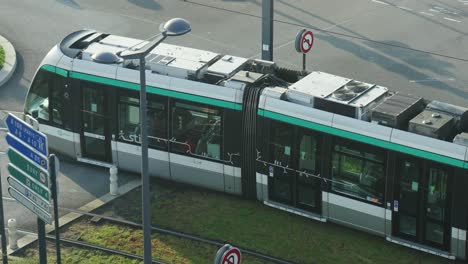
(16, 91)
(70, 3)
(389, 61)
(147, 4)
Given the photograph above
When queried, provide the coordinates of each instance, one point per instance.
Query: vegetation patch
(252, 225)
(165, 248)
(73, 256)
(2, 57)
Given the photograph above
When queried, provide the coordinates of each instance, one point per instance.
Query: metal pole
(303, 62)
(53, 178)
(2, 226)
(42, 242)
(144, 166)
(267, 30)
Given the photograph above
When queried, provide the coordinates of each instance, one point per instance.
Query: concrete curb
(68, 218)
(10, 61)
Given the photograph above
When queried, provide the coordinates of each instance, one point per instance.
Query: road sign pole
(41, 240)
(53, 178)
(303, 62)
(2, 226)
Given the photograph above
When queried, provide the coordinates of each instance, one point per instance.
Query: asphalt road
(228, 26)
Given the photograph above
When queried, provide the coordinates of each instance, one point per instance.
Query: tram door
(308, 192)
(421, 206)
(293, 175)
(95, 133)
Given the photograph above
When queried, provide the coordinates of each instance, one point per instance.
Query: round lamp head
(175, 27)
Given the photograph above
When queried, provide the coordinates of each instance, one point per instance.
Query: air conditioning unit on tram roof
(336, 94)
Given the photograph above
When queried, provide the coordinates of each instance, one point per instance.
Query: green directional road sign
(28, 182)
(31, 169)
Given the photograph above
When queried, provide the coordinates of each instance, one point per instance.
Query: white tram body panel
(307, 145)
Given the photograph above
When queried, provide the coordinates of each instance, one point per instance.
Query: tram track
(157, 229)
(85, 245)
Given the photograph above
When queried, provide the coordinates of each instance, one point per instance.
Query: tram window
(308, 154)
(129, 120)
(157, 121)
(60, 104)
(37, 102)
(280, 143)
(196, 130)
(437, 193)
(358, 171)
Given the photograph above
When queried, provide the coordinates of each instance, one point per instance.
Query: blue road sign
(25, 133)
(27, 151)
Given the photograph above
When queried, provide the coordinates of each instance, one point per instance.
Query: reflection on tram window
(196, 130)
(129, 121)
(280, 144)
(358, 171)
(47, 95)
(37, 103)
(308, 154)
(280, 147)
(437, 193)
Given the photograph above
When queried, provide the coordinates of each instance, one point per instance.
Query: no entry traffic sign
(232, 256)
(228, 254)
(307, 41)
(304, 41)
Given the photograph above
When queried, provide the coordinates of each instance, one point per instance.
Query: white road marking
(405, 8)
(379, 2)
(427, 14)
(432, 80)
(453, 20)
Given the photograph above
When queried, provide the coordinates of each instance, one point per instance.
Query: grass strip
(252, 225)
(165, 248)
(73, 256)
(2, 57)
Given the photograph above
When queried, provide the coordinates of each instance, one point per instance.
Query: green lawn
(74, 256)
(254, 226)
(167, 248)
(2, 57)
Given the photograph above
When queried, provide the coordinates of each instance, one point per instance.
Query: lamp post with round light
(173, 27)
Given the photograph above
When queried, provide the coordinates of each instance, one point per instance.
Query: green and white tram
(319, 145)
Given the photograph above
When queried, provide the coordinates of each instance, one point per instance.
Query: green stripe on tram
(364, 139)
(155, 90)
(56, 70)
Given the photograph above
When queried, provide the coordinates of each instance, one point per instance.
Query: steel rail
(171, 232)
(92, 246)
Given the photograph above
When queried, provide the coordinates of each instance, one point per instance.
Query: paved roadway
(437, 26)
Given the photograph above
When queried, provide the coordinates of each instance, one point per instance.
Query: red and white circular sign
(232, 256)
(307, 41)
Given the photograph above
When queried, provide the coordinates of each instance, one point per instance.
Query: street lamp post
(173, 27)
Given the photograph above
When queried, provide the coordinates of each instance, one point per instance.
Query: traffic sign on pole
(228, 254)
(24, 190)
(29, 168)
(28, 182)
(27, 134)
(232, 256)
(27, 151)
(46, 217)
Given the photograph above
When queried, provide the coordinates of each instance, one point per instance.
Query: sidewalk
(10, 61)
